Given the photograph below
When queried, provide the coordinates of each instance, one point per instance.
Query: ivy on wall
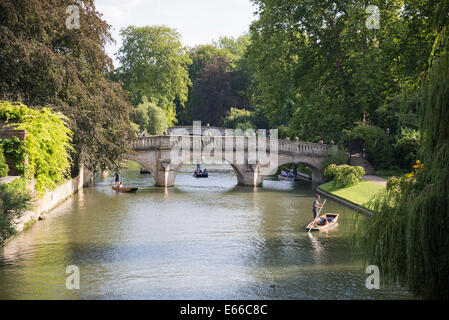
(46, 147)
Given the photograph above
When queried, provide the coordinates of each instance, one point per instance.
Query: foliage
(244, 126)
(235, 45)
(338, 157)
(407, 235)
(285, 132)
(319, 69)
(47, 144)
(394, 171)
(13, 149)
(375, 142)
(214, 93)
(154, 64)
(237, 116)
(4, 169)
(344, 175)
(399, 111)
(201, 55)
(14, 200)
(46, 64)
(149, 117)
(406, 147)
(157, 120)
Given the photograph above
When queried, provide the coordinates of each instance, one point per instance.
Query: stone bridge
(251, 158)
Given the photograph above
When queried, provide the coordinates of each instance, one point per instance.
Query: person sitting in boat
(316, 205)
(120, 185)
(205, 172)
(283, 173)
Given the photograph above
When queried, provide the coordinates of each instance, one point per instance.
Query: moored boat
(323, 222)
(125, 189)
(144, 171)
(282, 178)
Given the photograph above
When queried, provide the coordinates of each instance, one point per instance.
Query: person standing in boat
(316, 205)
(117, 179)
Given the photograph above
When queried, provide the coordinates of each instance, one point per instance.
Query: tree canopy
(154, 64)
(44, 63)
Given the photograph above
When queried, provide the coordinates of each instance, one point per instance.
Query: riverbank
(52, 199)
(355, 197)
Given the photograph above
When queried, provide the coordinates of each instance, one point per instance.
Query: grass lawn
(359, 194)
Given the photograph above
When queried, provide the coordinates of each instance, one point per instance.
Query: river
(203, 239)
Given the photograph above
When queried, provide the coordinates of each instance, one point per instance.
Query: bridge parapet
(234, 142)
(306, 148)
(163, 156)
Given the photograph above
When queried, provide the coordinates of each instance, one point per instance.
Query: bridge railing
(283, 146)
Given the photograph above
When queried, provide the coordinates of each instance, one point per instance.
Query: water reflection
(204, 238)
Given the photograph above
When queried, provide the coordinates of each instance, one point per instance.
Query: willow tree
(407, 236)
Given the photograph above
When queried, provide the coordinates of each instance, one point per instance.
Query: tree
(319, 65)
(214, 95)
(154, 64)
(405, 236)
(150, 117)
(44, 63)
(201, 55)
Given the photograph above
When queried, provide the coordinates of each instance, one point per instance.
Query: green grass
(358, 194)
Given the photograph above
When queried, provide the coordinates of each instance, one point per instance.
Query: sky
(198, 21)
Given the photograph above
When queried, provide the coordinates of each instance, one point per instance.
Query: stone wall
(52, 199)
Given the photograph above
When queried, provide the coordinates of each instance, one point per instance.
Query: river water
(203, 239)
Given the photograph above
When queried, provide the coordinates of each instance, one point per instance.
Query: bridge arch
(154, 154)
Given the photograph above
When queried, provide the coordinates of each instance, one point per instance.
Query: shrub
(406, 147)
(237, 117)
(3, 166)
(344, 175)
(14, 200)
(338, 157)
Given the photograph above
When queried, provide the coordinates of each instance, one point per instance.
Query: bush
(338, 157)
(406, 147)
(14, 200)
(4, 169)
(237, 117)
(344, 175)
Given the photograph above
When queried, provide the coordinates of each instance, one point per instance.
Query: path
(376, 179)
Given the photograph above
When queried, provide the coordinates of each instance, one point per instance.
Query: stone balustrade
(237, 142)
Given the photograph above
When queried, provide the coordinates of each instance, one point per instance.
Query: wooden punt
(125, 189)
(329, 218)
